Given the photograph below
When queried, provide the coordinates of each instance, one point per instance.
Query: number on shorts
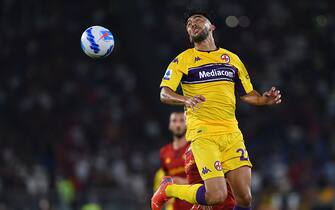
(244, 154)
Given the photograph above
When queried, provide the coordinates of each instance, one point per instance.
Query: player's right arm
(169, 96)
(170, 82)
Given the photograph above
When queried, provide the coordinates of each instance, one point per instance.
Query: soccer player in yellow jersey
(210, 76)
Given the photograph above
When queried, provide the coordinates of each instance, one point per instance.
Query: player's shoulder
(186, 52)
(184, 56)
(230, 53)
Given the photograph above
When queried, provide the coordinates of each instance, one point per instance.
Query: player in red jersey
(193, 177)
(172, 156)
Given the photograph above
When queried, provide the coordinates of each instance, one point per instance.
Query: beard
(180, 134)
(201, 36)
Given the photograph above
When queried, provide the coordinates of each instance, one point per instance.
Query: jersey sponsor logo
(210, 73)
(225, 58)
(215, 73)
(218, 165)
(167, 75)
(205, 170)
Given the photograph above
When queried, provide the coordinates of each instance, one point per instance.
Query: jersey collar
(217, 49)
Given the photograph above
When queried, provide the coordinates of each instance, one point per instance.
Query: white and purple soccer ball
(97, 42)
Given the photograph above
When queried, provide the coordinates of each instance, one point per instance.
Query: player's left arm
(247, 93)
(270, 97)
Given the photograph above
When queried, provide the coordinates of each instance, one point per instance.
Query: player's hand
(272, 96)
(192, 102)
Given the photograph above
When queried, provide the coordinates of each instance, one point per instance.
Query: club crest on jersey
(225, 58)
(218, 165)
(167, 75)
(167, 160)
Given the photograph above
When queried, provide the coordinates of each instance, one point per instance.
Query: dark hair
(191, 12)
(177, 112)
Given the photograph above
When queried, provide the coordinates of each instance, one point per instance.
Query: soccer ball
(97, 42)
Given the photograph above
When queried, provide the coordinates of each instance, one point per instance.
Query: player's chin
(179, 134)
(196, 35)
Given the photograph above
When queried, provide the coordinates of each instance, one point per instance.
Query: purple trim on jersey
(239, 87)
(210, 73)
(200, 197)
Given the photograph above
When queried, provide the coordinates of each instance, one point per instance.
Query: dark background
(74, 130)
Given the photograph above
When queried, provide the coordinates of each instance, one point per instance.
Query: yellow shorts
(216, 155)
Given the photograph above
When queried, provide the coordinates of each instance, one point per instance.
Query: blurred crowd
(77, 133)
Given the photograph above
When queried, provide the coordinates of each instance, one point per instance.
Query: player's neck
(178, 142)
(207, 45)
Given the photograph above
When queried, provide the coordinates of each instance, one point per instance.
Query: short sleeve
(173, 74)
(243, 83)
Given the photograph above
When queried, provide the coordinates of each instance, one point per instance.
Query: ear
(191, 40)
(212, 27)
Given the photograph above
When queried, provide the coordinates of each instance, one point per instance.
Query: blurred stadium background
(76, 131)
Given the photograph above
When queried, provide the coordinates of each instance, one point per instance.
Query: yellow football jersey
(216, 75)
